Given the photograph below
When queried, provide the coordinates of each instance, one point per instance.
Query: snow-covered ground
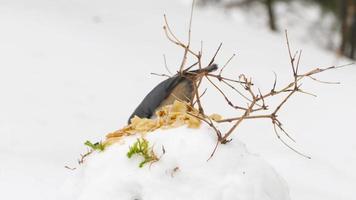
(182, 171)
(74, 70)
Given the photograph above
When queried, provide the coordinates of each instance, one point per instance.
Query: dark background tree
(268, 4)
(344, 12)
(347, 16)
(271, 14)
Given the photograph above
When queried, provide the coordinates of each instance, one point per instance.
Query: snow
(182, 172)
(74, 70)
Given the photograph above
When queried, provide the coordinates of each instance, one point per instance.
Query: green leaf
(97, 146)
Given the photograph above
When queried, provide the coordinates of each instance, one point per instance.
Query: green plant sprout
(141, 148)
(99, 146)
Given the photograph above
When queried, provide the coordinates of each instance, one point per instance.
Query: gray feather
(159, 94)
(153, 99)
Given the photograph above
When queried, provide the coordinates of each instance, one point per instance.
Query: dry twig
(256, 101)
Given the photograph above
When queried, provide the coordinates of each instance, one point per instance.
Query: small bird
(178, 87)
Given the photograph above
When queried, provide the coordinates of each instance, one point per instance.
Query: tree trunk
(353, 33)
(271, 15)
(348, 28)
(343, 17)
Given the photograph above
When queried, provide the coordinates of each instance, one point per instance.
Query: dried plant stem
(255, 101)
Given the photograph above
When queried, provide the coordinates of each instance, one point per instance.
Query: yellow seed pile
(169, 116)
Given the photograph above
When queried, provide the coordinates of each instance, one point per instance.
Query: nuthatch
(179, 87)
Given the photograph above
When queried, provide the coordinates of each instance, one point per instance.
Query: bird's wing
(154, 98)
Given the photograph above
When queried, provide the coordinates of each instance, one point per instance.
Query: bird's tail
(208, 69)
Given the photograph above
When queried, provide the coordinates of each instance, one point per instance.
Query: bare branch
(190, 23)
(297, 68)
(171, 37)
(225, 97)
(238, 122)
(216, 53)
(164, 75)
(197, 97)
(214, 150)
(222, 69)
(320, 81)
(202, 94)
(166, 66)
(290, 53)
(287, 145)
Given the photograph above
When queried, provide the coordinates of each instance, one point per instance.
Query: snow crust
(183, 172)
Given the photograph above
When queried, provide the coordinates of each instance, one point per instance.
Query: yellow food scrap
(215, 117)
(144, 125)
(169, 116)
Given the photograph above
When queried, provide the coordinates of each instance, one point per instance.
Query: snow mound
(183, 172)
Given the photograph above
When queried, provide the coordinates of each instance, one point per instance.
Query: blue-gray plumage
(178, 87)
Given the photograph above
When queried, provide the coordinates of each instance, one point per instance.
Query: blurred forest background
(339, 33)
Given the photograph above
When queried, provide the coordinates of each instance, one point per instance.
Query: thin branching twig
(256, 101)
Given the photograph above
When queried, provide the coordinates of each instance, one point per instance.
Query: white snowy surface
(74, 70)
(181, 173)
